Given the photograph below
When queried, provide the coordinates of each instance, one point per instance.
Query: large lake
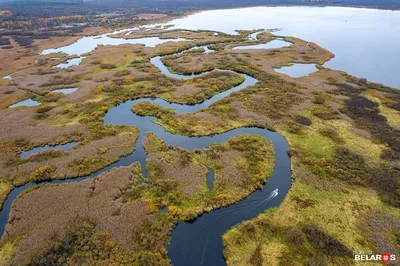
(365, 41)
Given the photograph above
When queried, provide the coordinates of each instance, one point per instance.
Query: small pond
(8, 77)
(70, 62)
(297, 70)
(65, 91)
(28, 102)
(210, 179)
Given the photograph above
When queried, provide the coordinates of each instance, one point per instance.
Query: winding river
(198, 242)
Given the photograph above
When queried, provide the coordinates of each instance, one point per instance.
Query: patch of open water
(28, 102)
(297, 70)
(210, 179)
(65, 147)
(65, 90)
(70, 62)
(89, 43)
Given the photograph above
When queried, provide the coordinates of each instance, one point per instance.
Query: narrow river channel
(198, 242)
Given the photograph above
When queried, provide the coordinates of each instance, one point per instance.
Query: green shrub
(324, 242)
(256, 258)
(163, 186)
(107, 66)
(135, 193)
(303, 120)
(294, 236)
(43, 173)
(331, 133)
(318, 100)
(83, 245)
(325, 113)
(122, 73)
(44, 109)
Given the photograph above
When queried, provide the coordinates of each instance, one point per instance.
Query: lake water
(365, 41)
(89, 43)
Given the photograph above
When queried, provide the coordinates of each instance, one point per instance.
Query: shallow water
(205, 47)
(210, 179)
(28, 102)
(65, 147)
(253, 36)
(66, 90)
(89, 43)
(364, 41)
(70, 63)
(9, 77)
(274, 44)
(297, 70)
(200, 241)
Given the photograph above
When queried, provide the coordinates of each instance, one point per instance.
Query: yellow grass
(5, 188)
(7, 252)
(312, 142)
(392, 115)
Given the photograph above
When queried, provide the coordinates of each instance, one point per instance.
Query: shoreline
(205, 8)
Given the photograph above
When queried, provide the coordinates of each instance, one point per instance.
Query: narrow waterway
(198, 242)
(64, 147)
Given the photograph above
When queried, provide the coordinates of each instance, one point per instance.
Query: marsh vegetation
(329, 119)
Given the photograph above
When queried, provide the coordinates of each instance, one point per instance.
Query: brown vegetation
(91, 215)
(240, 166)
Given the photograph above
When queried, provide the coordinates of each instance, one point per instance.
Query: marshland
(306, 165)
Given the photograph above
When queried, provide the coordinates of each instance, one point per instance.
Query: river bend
(198, 242)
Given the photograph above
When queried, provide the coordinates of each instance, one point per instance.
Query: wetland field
(269, 140)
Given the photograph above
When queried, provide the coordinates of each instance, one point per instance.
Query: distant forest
(199, 4)
(27, 20)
